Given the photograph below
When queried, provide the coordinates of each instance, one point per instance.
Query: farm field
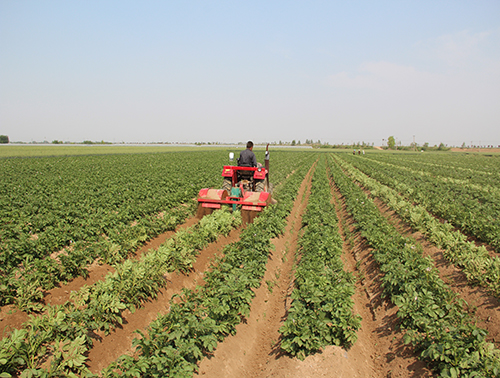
(382, 265)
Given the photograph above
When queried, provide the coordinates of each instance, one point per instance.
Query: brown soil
(97, 272)
(247, 353)
(13, 318)
(487, 306)
(254, 350)
(119, 342)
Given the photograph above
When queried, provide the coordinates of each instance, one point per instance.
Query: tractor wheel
(202, 211)
(259, 186)
(227, 185)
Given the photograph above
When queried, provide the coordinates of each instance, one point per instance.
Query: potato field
(377, 265)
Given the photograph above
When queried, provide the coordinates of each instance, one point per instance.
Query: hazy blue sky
(230, 71)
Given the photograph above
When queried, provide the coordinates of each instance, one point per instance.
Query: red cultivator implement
(247, 187)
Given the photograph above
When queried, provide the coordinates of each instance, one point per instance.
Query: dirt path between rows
(379, 350)
(486, 305)
(97, 272)
(255, 345)
(119, 342)
(12, 318)
(254, 351)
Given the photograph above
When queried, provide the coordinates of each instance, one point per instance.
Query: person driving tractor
(246, 186)
(247, 157)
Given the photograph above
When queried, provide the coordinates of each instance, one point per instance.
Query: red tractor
(247, 187)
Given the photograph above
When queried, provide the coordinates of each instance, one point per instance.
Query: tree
(4, 139)
(293, 142)
(391, 142)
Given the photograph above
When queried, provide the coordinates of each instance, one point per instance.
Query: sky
(267, 71)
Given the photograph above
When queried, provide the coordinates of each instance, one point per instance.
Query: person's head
(249, 144)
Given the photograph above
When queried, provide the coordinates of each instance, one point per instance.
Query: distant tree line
(392, 144)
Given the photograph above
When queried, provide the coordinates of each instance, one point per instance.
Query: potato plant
(436, 321)
(176, 341)
(100, 307)
(321, 311)
(477, 264)
(103, 207)
(464, 205)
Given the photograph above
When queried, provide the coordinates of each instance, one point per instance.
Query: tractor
(247, 187)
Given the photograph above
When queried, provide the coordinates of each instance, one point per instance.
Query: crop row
(176, 341)
(83, 208)
(474, 212)
(321, 311)
(437, 321)
(443, 175)
(51, 203)
(437, 174)
(24, 286)
(87, 208)
(475, 260)
(475, 168)
(100, 307)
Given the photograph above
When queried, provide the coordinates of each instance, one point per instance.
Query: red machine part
(252, 201)
(214, 198)
(232, 171)
(256, 198)
(216, 195)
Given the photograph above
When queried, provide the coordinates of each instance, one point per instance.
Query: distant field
(28, 150)
(99, 228)
(65, 150)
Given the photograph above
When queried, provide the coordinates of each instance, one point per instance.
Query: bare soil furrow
(487, 306)
(12, 318)
(97, 272)
(254, 349)
(379, 350)
(108, 348)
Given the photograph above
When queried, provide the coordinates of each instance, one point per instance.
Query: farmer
(247, 157)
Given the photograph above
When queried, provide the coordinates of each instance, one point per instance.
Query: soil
(485, 305)
(254, 351)
(109, 348)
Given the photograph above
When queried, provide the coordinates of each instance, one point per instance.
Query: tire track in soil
(255, 344)
(487, 306)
